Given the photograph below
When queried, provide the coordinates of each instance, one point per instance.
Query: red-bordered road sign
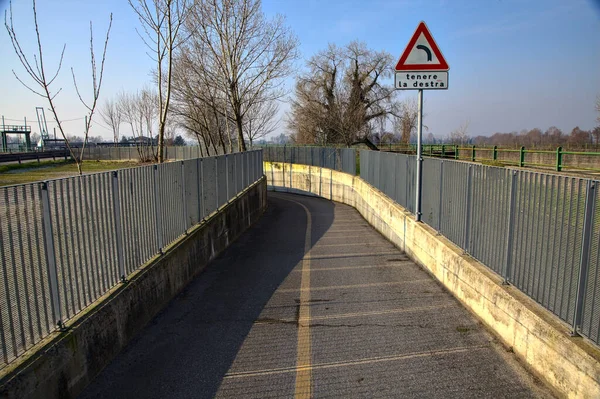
(422, 53)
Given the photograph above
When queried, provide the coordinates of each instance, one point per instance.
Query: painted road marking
(402, 263)
(355, 255)
(358, 362)
(351, 286)
(360, 314)
(303, 385)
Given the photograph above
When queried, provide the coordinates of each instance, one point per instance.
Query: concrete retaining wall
(569, 364)
(62, 365)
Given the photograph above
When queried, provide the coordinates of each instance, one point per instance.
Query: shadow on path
(187, 349)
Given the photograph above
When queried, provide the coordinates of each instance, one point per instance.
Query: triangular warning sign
(422, 53)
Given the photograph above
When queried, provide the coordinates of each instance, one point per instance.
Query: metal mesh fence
(25, 312)
(541, 232)
(455, 187)
(171, 153)
(394, 174)
(64, 243)
(590, 323)
(137, 205)
(548, 231)
(341, 159)
(490, 192)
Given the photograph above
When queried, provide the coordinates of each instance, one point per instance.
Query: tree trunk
(240, 131)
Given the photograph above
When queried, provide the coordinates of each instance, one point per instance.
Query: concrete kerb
(65, 362)
(571, 365)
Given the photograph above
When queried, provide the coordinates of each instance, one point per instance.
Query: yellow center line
(303, 386)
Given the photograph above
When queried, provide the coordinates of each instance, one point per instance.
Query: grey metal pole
(183, 199)
(468, 210)
(118, 232)
(510, 227)
(419, 156)
(590, 207)
(50, 255)
(157, 211)
(441, 198)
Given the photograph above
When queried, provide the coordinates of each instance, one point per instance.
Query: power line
(50, 121)
(101, 125)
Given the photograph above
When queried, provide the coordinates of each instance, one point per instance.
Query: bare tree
(260, 121)
(407, 119)
(342, 98)
(247, 55)
(460, 135)
(162, 21)
(198, 103)
(139, 110)
(598, 108)
(39, 74)
(112, 116)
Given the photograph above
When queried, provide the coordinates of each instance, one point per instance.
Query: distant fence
(539, 231)
(131, 153)
(342, 159)
(28, 156)
(66, 242)
(558, 159)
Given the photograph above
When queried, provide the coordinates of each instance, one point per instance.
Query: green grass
(34, 171)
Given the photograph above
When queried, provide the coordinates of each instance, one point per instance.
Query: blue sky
(514, 64)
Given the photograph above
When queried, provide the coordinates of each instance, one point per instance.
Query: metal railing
(342, 159)
(539, 231)
(66, 242)
(171, 153)
(558, 159)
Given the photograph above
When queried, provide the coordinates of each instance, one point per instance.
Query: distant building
(139, 141)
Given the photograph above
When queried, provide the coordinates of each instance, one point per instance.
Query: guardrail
(539, 231)
(66, 242)
(558, 159)
(27, 156)
(342, 159)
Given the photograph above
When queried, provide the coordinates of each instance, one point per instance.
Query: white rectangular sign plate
(421, 80)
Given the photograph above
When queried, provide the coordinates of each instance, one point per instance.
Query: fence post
(456, 151)
(200, 190)
(226, 178)
(50, 255)
(473, 153)
(183, 197)
(559, 159)
(511, 221)
(522, 157)
(590, 205)
(441, 197)
(443, 151)
(118, 232)
(159, 240)
(468, 215)
(495, 153)
(291, 162)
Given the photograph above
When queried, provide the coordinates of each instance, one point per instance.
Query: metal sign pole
(419, 156)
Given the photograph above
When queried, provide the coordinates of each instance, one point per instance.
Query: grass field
(33, 171)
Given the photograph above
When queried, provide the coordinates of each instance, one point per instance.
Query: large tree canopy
(344, 96)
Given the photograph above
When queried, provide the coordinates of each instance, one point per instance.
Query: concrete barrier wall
(569, 364)
(63, 364)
